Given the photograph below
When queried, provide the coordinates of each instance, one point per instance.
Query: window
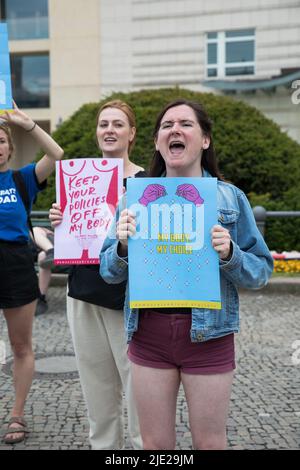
(230, 53)
(26, 19)
(30, 80)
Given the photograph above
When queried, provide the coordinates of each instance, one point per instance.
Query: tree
(253, 152)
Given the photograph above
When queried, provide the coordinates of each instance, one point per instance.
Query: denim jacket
(250, 266)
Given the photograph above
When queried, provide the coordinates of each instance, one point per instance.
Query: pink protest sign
(88, 190)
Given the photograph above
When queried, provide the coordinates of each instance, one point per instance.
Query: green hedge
(253, 152)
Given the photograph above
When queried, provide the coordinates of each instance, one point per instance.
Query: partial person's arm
(113, 256)
(53, 152)
(251, 263)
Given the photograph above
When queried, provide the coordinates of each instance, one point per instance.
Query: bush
(253, 152)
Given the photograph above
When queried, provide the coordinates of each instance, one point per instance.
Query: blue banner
(171, 259)
(5, 78)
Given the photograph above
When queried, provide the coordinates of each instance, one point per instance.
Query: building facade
(247, 48)
(67, 53)
(55, 60)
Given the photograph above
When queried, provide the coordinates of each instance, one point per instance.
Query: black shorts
(18, 279)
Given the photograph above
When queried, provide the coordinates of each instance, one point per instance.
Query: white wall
(154, 43)
(162, 42)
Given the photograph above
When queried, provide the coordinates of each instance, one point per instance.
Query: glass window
(240, 51)
(238, 33)
(26, 19)
(30, 80)
(212, 53)
(230, 53)
(212, 35)
(239, 71)
(212, 72)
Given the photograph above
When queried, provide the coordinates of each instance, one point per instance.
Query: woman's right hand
(55, 215)
(126, 227)
(19, 118)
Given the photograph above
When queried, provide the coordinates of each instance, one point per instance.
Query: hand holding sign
(18, 118)
(88, 190)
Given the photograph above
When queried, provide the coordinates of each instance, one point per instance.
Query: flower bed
(286, 262)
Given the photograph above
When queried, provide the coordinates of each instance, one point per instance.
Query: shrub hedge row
(253, 152)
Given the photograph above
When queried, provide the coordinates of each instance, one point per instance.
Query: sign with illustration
(88, 190)
(171, 259)
(5, 79)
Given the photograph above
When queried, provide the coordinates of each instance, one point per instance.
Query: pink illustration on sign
(88, 196)
(151, 193)
(190, 193)
(112, 193)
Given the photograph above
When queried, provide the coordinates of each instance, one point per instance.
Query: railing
(261, 214)
(41, 218)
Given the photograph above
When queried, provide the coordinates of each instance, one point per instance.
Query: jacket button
(199, 337)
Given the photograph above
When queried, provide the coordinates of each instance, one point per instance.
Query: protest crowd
(152, 300)
(93, 218)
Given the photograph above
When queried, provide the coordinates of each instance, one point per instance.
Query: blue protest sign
(171, 260)
(5, 78)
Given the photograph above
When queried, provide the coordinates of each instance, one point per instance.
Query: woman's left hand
(18, 117)
(221, 241)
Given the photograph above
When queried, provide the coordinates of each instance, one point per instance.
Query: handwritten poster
(5, 79)
(88, 190)
(171, 259)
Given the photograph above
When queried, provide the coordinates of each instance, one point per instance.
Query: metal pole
(260, 215)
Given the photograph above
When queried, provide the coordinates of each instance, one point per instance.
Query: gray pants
(104, 370)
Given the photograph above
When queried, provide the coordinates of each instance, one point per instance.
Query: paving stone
(264, 409)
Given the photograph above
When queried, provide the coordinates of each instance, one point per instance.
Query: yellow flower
(287, 266)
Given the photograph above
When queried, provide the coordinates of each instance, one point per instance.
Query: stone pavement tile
(265, 405)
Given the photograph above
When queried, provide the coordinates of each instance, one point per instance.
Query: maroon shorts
(163, 342)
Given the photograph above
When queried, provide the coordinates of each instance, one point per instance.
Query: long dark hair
(209, 159)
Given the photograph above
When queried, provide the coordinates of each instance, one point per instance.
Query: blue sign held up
(171, 260)
(5, 77)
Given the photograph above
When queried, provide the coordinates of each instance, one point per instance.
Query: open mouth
(110, 140)
(176, 147)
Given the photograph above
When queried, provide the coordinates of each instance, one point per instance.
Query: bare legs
(19, 322)
(207, 396)
(44, 275)
(155, 392)
(41, 239)
(208, 399)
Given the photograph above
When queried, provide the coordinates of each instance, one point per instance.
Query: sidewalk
(265, 405)
(284, 284)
